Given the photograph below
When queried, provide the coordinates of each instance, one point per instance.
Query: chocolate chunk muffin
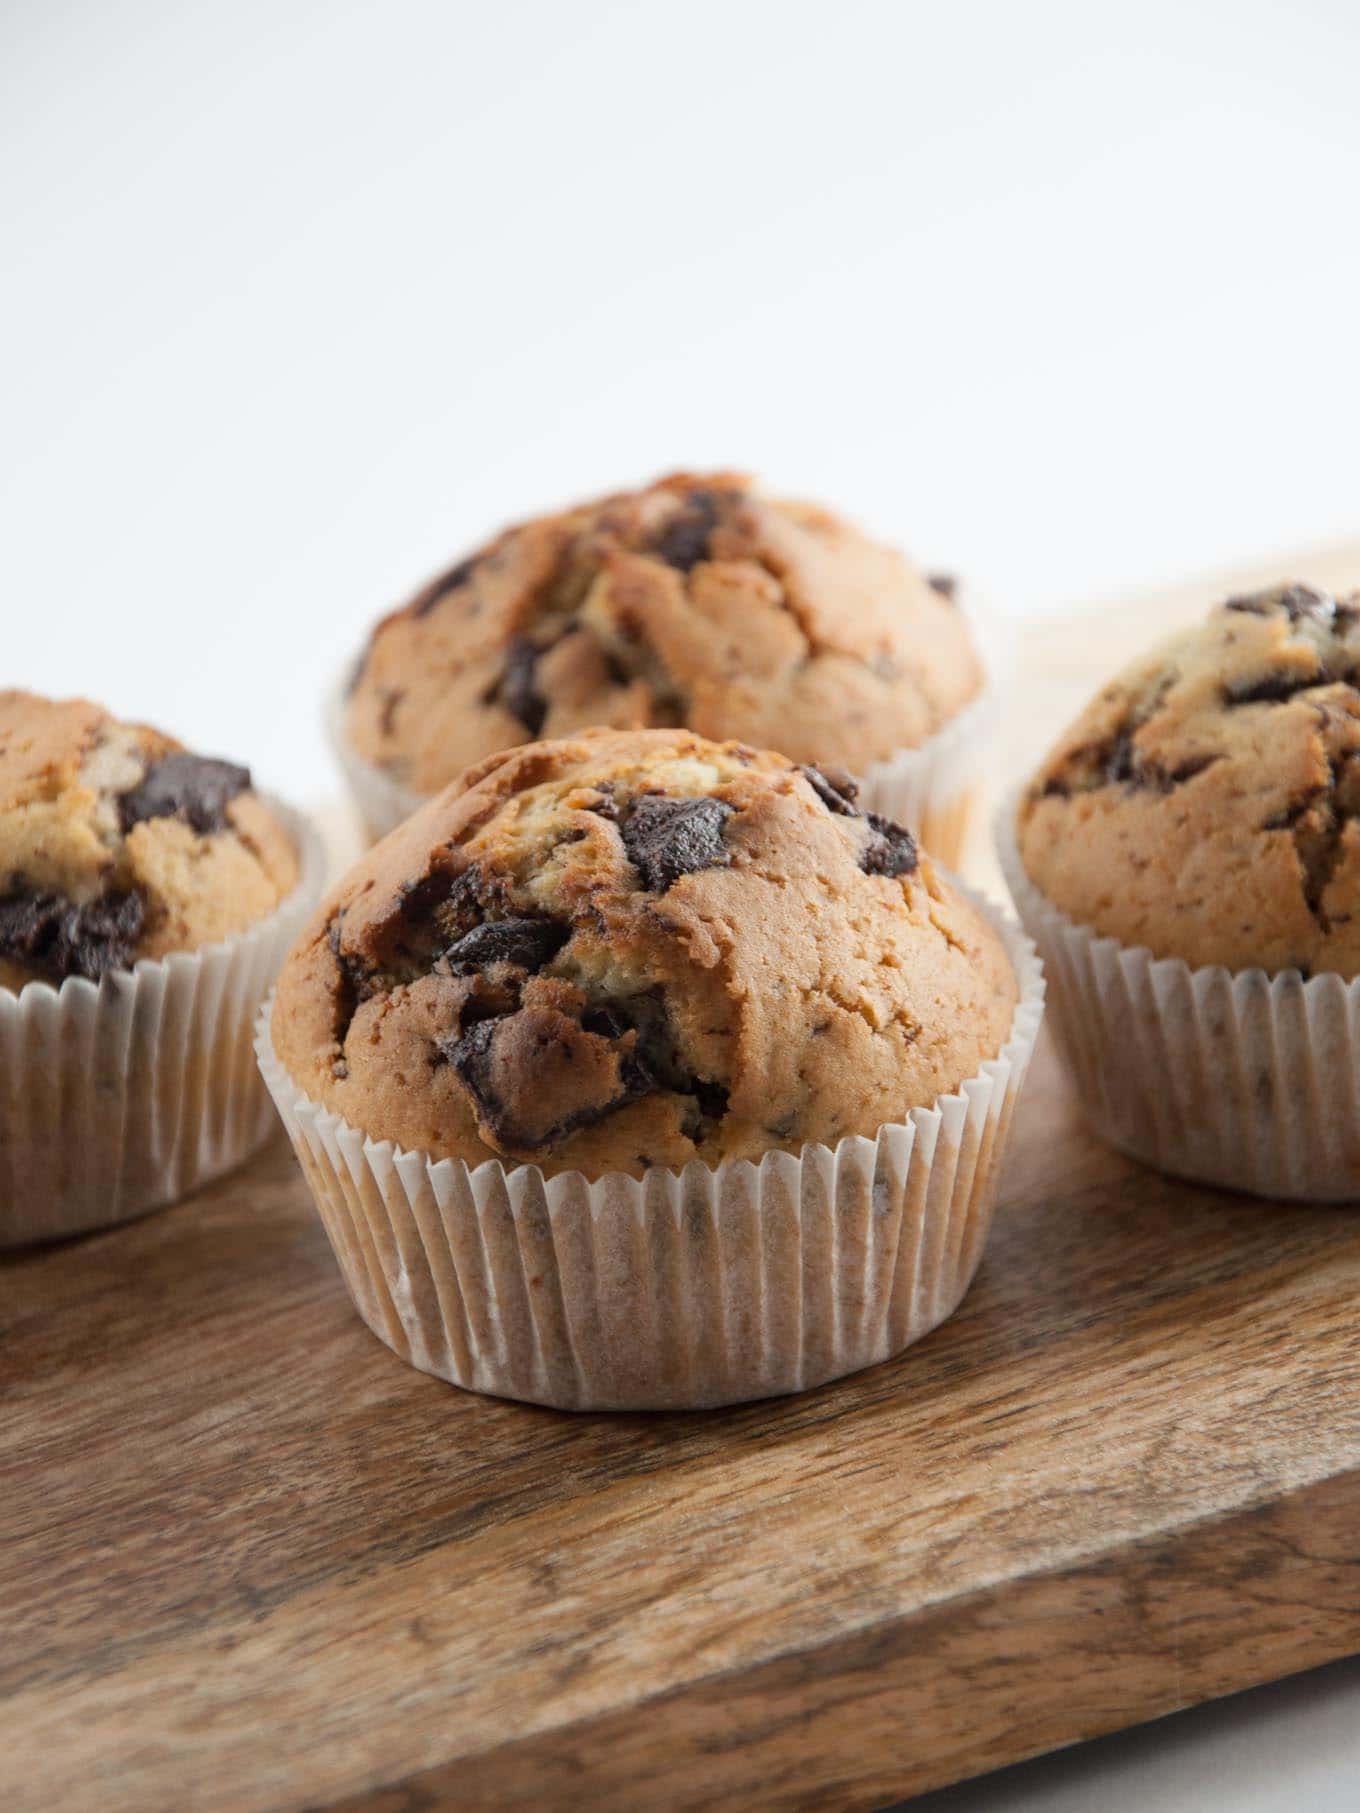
(116, 843)
(632, 949)
(696, 601)
(1187, 860)
(1205, 803)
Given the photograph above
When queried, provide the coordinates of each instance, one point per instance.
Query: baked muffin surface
(116, 843)
(695, 601)
(1205, 803)
(639, 948)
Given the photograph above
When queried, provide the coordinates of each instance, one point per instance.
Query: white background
(300, 299)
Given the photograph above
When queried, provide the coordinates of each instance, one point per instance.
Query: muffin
(1188, 859)
(146, 897)
(695, 602)
(631, 1056)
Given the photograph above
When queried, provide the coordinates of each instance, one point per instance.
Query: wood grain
(248, 1560)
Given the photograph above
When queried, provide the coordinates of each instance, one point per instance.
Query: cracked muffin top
(639, 948)
(116, 844)
(694, 602)
(1205, 803)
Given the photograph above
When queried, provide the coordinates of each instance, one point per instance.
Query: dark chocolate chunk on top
(518, 692)
(836, 789)
(668, 838)
(57, 938)
(891, 849)
(196, 788)
(1298, 600)
(527, 943)
(683, 543)
(536, 1075)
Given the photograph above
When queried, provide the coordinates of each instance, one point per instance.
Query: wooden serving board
(249, 1560)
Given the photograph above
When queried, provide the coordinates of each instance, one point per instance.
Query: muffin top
(1204, 804)
(637, 948)
(116, 843)
(694, 602)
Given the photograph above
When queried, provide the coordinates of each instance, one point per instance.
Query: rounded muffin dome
(1205, 803)
(639, 948)
(694, 602)
(116, 843)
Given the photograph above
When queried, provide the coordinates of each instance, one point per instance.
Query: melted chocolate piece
(712, 1098)
(891, 849)
(57, 938)
(1274, 689)
(1125, 767)
(668, 838)
(1298, 600)
(537, 1075)
(517, 691)
(836, 789)
(196, 788)
(1119, 764)
(527, 943)
(684, 542)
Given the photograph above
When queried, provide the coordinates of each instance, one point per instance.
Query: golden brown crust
(117, 844)
(695, 601)
(1205, 803)
(638, 948)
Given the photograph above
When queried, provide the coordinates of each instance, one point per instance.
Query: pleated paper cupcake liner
(121, 1096)
(1231, 1077)
(711, 1285)
(933, 788)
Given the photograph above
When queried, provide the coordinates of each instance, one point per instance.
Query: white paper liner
(1229, 1077)
(931, 789)
(120, 1096)
(706, 1286)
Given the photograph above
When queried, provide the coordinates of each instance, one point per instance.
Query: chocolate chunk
(943, 583)
(606, 806)
(196, 788)
(517, 691)
(668, 838)
(537, 1075)
(57, 938)
(1298, 600)
(891, 849)
(1122, 760)
(711, 1097)
(419, 899)
(424, 602)
(684, 542)
(1124, 766)
(1167, 778)
(1274, 689)
(836, 789)
(527, 943)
